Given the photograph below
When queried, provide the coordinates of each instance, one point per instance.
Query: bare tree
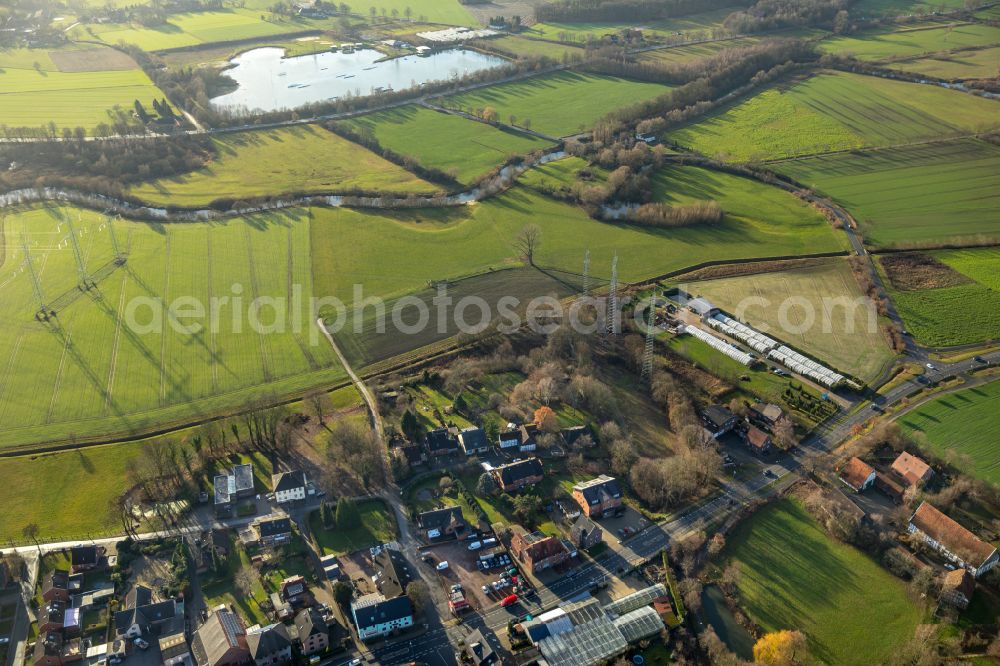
(30, 531)
(527, 242)
(246, 581)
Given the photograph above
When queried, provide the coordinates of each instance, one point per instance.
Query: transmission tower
(43, 312)
(119, 255)
(647, 355)
(586, 274)
(613, 324)
(86, 282)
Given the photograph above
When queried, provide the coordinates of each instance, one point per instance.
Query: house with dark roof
(55, 587)
(912, 469)
(51, 649)
(585, 533)
(441, 442)
(441, 523)
(314, 633)
(515, 476)
(474, 441)
(957, 588)
(520, 437)
(576, 437)
(718, 420)
(757, 440)
(51, 616)
(289, 486)
(85, 558)
(270, 645)
(153, 619)
(765, 413)
(599, 497)
(236, 484)
(537, 551)
(479, 651)
(295, 591)
(857, 474)
(411, 452)
(392, 573)
(375, 616)
(952, 540)
(273, 531)
(889, 487)
(221, 641)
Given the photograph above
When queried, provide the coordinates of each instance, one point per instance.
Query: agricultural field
(830, 591)
(931, 292)
(895, 7)
(970, 64)
(194, 28)
(682, 55)
(558, 104)
(525, 46)
(692, 26)
(912, 195)
(71, 88)
(112, 361)
(845, 332)
(958, 427)
(303, 159)
(463, 148)
(911, 40)
(808, 116)
(219, 55)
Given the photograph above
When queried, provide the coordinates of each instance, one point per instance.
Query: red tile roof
(958, 540)
(856, 472)
(757, 438)
(912, 468)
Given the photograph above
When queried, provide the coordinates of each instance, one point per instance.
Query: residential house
(223, 499)
(585, 533)
(952, 540)
(51, 616)
(441, 442)
(889, 487)
(757, 440)
(392, 573)
(274, 531)
(520, 437)
(577, 437)
(766, 414)
(599, 497)
(331, 567)
(174, 649)
(376, 616)
(221, 641)
(514, 476)
(56, 586)
(479, 651)
(537, 551)
(51, 649)
(857, 474)
(957, 588)
(474, 441)
(237, 484)
(314, 634)
(411, 452)
(218, 541)
(85, 558)
(270, 645)
(151, 619)
(289, 487)
(441, 523)
(718, 420)
(912, 469)
(295, 591)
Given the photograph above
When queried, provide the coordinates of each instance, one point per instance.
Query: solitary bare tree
(527, 242)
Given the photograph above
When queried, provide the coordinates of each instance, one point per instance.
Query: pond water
(717, 613)
(269, 82)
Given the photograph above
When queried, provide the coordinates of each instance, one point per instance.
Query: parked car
(487, 590)
(475, 545)
(426, 557)
(141, 644)
(509, 600)
(354, 662)
(930, 366)
(441, 566)
(489, 542)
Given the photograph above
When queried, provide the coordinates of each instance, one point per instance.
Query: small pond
(717, 613)
(269, 82)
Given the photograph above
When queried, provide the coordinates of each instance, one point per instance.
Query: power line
(613, 323)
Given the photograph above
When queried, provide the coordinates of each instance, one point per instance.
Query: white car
(441, 566)
(354, 662)
(475, 545)
(930, 366)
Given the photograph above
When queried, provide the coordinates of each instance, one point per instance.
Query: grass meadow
(464, 148)
(301, 159)
(895, 7)
(809, 116)
(973, 64)
(527, 46)
(701, 22)
(911, 41)
(960, 426)
(912, 195)
(68, 87)
(939, 317)
(558, 104)
(795, 576)
(378, 526)
(847, 337)
(108, 363)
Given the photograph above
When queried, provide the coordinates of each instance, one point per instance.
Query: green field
(962, 425)
(525, 46)
(975, 64)
(935, 316)
(378, 526)
(435, 11)
(105, 365)
(463, 148)
(302, 159)
(679, 55)
(879, 44)
(703, 22)
(893, 7)
(393, 253)
(846, 332)
(194, 28)
(794, 576)
(810, 116)
(34, 91)
(912, 195)
(559, 104)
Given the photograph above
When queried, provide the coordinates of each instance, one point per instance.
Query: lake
(269, 82)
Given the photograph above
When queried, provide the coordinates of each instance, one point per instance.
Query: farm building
(912, 469)
(957, 588)
(719, 345)
(701, 307)
(857, 474)
(952, 540)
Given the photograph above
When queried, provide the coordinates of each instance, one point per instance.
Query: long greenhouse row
(720, 345)
(735, 329)
(806, 367)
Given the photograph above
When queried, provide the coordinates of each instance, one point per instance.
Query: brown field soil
(750, 268)
(100, 59)
(916, 271)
